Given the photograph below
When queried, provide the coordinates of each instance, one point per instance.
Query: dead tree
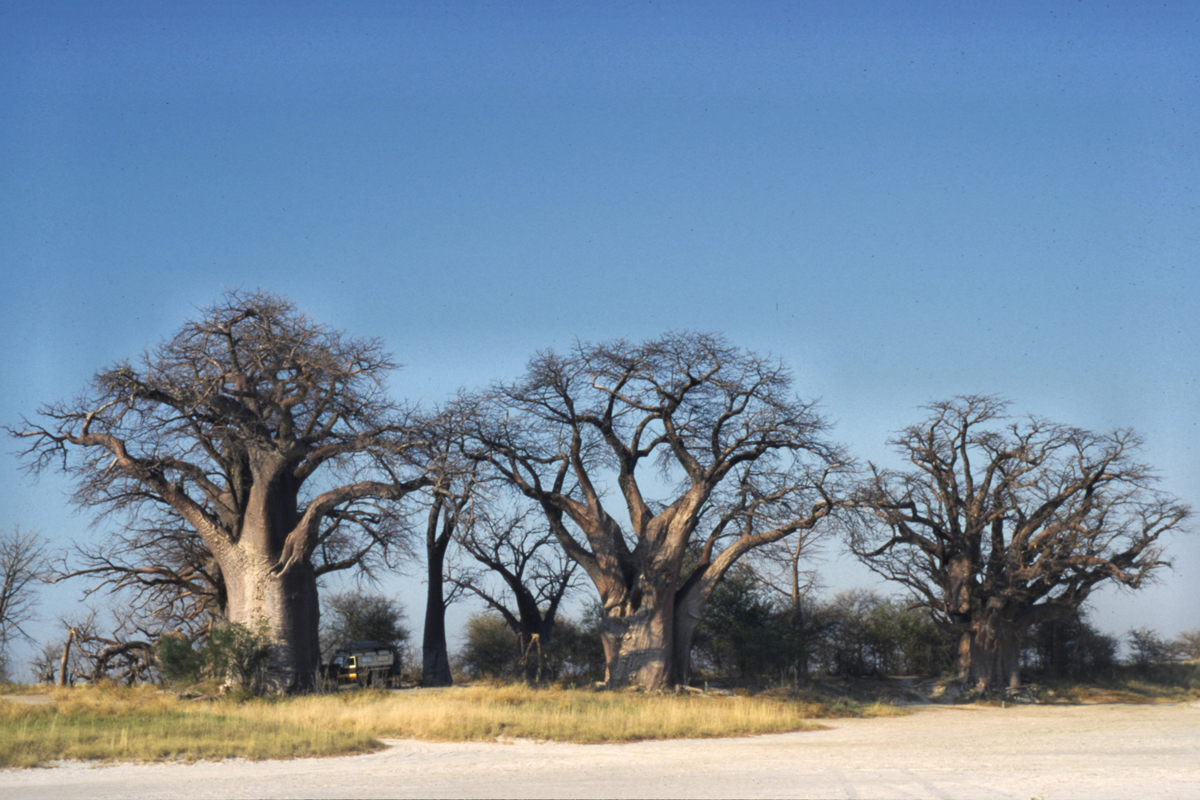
(1004, 524)
(682, 416)
(266, 434)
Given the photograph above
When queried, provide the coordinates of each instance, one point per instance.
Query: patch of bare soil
(1083, 751)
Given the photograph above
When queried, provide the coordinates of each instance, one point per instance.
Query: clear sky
(905, 201)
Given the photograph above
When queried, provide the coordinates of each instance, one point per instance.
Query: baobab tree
(737, 459)
(266, 434)
(1006, 523)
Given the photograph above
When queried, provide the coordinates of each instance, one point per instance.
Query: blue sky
(905, 201)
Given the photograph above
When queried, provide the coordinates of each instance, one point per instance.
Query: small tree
(1147, 647)
(533, 574)
(354, 616)
(1187, 644)
(1006, 524)
(22, 567)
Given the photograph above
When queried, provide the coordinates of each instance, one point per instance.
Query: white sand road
(1085, 751)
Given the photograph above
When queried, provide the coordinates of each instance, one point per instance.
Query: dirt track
(1098, 751)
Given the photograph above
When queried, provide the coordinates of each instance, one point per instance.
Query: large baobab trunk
(638, 640)
(217, 431)
(289, 606)
(990, 655)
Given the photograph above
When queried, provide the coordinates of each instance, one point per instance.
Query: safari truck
(364, 664)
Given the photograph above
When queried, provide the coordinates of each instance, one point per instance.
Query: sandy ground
(1095, 751)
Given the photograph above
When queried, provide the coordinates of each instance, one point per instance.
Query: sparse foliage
(1005, 524)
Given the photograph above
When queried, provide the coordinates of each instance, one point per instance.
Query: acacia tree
(1004, 524)
(268, 435)
(717, 430)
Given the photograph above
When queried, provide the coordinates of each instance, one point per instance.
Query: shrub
(352, 616)
(1070, 648)
(572, 652)
(1147, 647)
(863, 634)
(745, 635)
(178, 661)
(491, 650)
(232, 652)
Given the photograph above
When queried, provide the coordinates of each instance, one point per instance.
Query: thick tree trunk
(689, 613)
(993, 656)
(290, 607)
(639, 644)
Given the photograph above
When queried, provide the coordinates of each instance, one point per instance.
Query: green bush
(570, 652)
(232, 652)
(491, 650)
(178, 661)
(745, 635)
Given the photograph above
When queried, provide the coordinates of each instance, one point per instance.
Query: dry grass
(485, 713)
(145, 724)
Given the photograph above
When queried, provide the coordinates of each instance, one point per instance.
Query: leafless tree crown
(22, 567)
(1035, 513)
(176, 442)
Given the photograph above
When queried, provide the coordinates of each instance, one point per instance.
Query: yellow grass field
(112, 723)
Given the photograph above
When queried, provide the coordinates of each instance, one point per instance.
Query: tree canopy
(697, 438)
(1003, 523)
(266, 435)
